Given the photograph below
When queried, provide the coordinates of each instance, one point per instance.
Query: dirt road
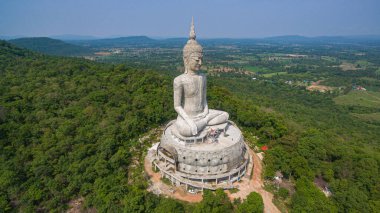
(246, 186)
(160, 188)
(255, 184)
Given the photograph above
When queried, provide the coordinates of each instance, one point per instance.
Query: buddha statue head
(192, 52)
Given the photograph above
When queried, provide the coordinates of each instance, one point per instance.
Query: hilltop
(51, 46)
(70, 129)
(116, 42)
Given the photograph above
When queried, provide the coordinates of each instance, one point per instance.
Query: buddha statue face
(192, 52)
(194, 62)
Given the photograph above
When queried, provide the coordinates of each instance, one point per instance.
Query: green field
(268, 75)
(371, 117)
(257, 69)
(364, 63)
(360, 98)
(329, 58)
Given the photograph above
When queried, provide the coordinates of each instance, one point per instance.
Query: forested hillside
(323, 140)
(67, 126)
(116, 42)
(70, 128)
(51, 46)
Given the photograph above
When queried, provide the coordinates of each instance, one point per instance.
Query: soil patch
(247, 185)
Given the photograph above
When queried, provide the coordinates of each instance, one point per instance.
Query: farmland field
(257, 69)
(371, 117)
(360, 98)
(268, 75)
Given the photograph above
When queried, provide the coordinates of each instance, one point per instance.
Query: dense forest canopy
(70, 128)
(51, 46)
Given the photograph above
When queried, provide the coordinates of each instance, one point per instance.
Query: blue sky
(171, 18)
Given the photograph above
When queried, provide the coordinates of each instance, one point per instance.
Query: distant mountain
(324, 39)
(69, 37)
(51, 46)
(5, 37)
(116, 42)
(288, 38)
(144, 41)
(175, 40)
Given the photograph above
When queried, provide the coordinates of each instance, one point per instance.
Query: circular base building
(214, 158)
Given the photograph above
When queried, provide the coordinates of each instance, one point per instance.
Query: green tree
(215, 202)
(349, 197)
(134, 201)
(169, 206)
(308, 198)
(5, 204)
(253, 204)
(299, 166)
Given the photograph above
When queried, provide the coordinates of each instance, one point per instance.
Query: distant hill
(51, 46)
(68, 37)
(5, 37)
(289, 38)
(116, 42)
(144, 41)
(324, 39)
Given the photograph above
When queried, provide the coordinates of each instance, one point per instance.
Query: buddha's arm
(178, 92)
(205, 109)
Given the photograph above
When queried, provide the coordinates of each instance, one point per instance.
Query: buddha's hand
(193, 127)
(203, 114)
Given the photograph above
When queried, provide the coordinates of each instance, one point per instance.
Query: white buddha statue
(190, 88)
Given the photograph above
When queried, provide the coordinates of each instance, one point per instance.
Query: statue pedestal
(214, 158)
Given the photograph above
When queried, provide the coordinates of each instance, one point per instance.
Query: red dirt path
(179, 193)
(255, 184)
(246, 186)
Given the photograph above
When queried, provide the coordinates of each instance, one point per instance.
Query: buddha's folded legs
(217, 117)
(185, 130)
(213, 118)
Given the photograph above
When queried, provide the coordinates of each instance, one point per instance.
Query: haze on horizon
(171, 18)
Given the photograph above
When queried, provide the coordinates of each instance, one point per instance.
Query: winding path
(255, 184)
(246, 186)
(158, 187)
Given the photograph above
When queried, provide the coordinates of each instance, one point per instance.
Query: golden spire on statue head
(192, 45)
(192, 30)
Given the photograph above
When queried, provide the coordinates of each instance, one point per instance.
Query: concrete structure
(201, 148)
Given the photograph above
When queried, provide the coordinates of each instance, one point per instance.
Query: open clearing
(256, 69)
(268, 75)
(370, 117)
(320, 88)
(360, 98)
